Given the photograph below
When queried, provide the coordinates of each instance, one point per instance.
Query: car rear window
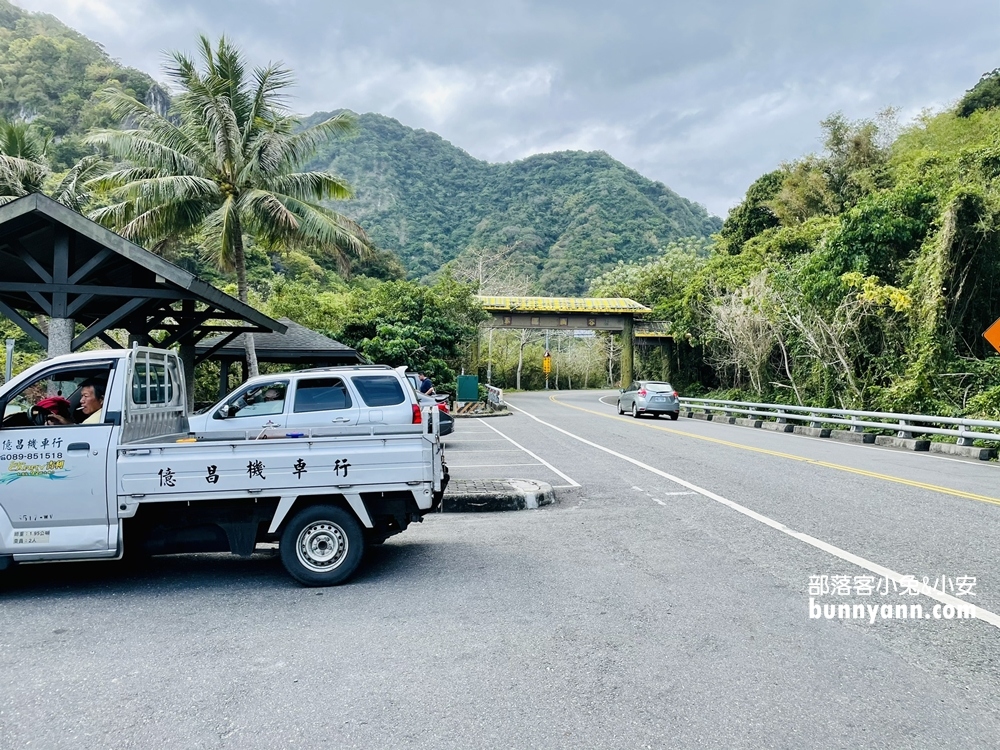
(379, 390)
(660, 387)
(321, 394)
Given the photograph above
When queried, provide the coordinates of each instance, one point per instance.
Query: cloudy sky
(704, 95)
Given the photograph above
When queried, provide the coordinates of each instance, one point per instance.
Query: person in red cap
(56, 410)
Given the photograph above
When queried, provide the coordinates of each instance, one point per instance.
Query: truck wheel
(322, 546)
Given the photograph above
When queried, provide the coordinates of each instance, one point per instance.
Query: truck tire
(322, 545)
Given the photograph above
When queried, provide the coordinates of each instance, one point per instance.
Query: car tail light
(443, 406)
(417, 417)
(642, 391)
(676, 394)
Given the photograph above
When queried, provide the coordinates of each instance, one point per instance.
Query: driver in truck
(91, 401)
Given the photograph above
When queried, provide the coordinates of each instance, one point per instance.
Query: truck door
(323, 401)
(53, 465)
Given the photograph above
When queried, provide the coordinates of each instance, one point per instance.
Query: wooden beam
(226, 340)
(80, 273)
(36, 335)
(109, 321)
(30, 261)
(103, 336)
(78, 304)
(104, 291)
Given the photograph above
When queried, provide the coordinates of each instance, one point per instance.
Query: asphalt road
(663, 602)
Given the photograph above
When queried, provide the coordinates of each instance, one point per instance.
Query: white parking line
(572, 482)
(488, 466)
(982, 614)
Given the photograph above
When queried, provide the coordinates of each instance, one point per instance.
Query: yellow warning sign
(547, 363)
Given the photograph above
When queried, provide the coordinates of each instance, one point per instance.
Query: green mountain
(48, 75)
(569, 215)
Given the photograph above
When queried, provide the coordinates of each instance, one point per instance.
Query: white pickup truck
(133, 479)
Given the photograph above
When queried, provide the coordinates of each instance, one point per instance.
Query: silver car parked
(649, 397)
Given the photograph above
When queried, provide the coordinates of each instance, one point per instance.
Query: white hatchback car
(324, 397)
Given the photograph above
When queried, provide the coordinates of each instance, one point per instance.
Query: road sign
(547, 363)
(992, 334)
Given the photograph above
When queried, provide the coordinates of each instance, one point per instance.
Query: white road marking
(490, 466)
(479, 440)
(572, 482)
(491, 450)
(657, 500)
(982, 614)
(678, 493)
(638, 489)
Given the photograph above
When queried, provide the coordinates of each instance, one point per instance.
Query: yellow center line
(792, 457)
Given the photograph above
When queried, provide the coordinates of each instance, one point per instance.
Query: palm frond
(73, 190)
(167, 189)
(301, 147)
(325, 227)
(311, 186)
(269, 216)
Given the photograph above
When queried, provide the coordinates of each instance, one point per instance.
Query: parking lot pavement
(481, 449)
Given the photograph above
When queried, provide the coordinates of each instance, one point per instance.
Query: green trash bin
(468, 388)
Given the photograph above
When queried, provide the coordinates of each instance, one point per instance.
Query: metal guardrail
(904, 425)
(494, 396)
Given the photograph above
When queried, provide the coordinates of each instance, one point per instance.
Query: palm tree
(22, 161)
(222, 167)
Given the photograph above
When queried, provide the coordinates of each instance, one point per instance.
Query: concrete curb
(909, 443)
(777, 426)
(484, 415)
(491, 495)
(820, 432)
(966, 451)
(849, 436)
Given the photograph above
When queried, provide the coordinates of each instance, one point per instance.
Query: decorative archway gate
(607, 314)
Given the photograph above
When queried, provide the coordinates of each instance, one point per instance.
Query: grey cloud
(702, 96)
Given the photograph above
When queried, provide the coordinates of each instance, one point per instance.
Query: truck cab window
(61, 398)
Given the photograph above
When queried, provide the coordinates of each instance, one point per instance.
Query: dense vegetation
(49, 75)
(862, 276)
(568, 216)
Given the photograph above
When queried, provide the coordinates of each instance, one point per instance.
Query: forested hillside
(863, 276)
(569, 215)
(48, 75)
